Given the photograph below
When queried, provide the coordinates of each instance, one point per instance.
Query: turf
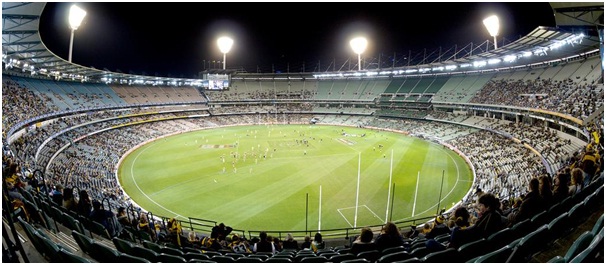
(293, 177)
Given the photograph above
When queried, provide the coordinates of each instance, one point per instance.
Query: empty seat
(443, 256)
(500, 255)
(372, 255)
(126, 258)
(473, 249)
(69, 257)
(530, 244)
(395, 256)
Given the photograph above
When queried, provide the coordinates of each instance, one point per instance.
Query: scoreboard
(216, 82)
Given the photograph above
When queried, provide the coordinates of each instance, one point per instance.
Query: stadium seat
(69, 257)
(500, 255)
(249, 259)
(499, 239)
(222, 259)
(171, 251)
(191, 255)
(420, 252)
(444, 256)
(152, 245)
(395, 256)
(577, 214)
(473, 249)
(123, 246)
(168, 258)
(126, 258)
(599, 224)
(146, 253)
(314, 259)
(83, 241)
(539, 220)
(559, 226)
(580, 244)
(521, 228)
(392, 250)
(530, 244)
(371, 255)
(278, 260)
(594, 252)
(103, 253)
(356, 260)
(341, 257)
(50, 250)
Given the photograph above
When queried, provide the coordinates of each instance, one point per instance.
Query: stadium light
(492, 25)
(359, 46)
(225, 44)
(76, 15)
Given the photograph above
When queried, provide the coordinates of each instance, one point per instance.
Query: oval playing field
(267, 177)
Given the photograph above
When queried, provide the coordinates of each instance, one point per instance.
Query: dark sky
(177, 39)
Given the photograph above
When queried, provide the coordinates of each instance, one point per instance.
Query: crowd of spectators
(504, 171)
(568, 97)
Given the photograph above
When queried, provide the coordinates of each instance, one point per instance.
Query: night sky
(179, 39)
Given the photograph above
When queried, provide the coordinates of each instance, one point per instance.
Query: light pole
(76, 15)
(359, 46)
(225, 44)
(492, 24)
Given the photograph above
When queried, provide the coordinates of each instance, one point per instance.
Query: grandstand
(510, 124)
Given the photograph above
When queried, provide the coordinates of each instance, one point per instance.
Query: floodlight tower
(492, 24)
(76, 15)
(225, 44)
(359, 46)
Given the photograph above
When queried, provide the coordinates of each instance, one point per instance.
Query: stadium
(333, 152)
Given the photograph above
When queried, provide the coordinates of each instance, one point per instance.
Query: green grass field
(258, 177)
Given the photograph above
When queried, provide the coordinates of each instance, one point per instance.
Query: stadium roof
(23, 49)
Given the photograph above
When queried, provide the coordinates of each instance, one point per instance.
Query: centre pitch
(294, 177)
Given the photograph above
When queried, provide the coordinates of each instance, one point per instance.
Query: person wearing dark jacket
(531, 205)
(489, 220)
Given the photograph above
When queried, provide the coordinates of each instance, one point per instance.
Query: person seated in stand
(489, 219)
(264, 245)
(390, 237)
(290, 242)
(306, 245)
(317, 243)
(439, 228)
(532, 204)
(363, 242)
(238, 245)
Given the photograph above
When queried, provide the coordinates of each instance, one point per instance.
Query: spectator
(106, 218)
(277, 244)
(57, 195)
(390, 237)
(576, 181)
(290, 242)
(306, 243)
(560, 188)
(264, 245)
(238, 245)
(531, 204)
(69, 202)
(461, 216)
(545, 191)
(220, 231)
(363, 242)
(84, 206)
(489, 220)
(439, 228)
(146, 226)
(317, 243)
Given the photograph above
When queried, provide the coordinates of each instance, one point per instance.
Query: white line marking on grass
(132, 176)
(345, 218)
(371, 211)
(451, 190)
